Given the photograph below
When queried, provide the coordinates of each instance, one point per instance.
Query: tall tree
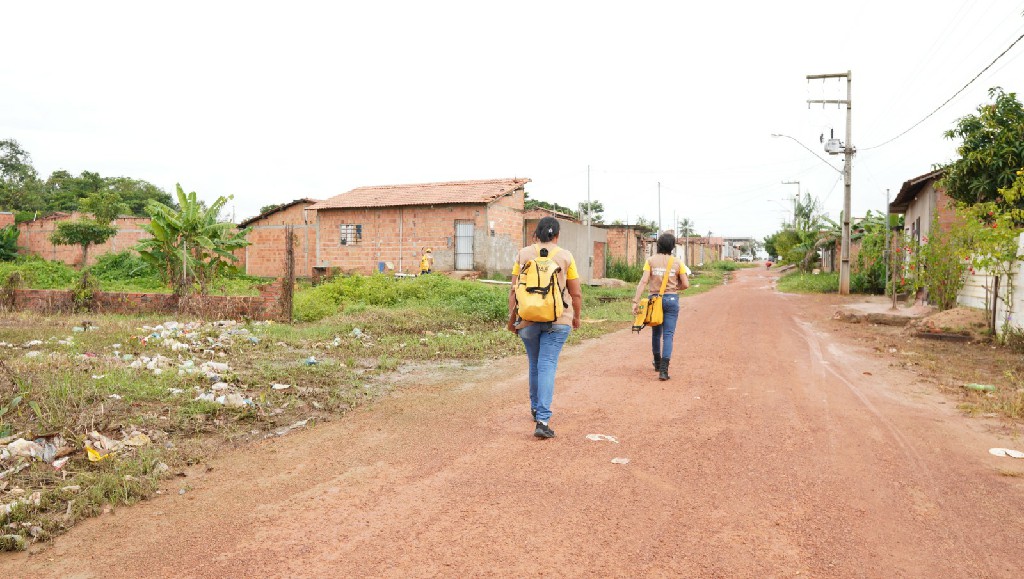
(19, 184)
(686, 227)
(592, 211)
(991, 151)
(84, 232)
(105, 206)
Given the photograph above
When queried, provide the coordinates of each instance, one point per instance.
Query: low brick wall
(266, 306)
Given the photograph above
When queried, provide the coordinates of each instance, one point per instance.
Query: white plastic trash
(598, 437)
(1006, 452)
(618, 460)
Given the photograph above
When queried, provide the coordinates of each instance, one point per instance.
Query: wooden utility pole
(848, 151)
(288, 293)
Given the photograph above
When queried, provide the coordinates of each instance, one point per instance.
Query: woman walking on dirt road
(654, 272)
(544, 340)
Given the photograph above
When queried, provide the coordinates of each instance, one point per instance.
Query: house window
(351, 234)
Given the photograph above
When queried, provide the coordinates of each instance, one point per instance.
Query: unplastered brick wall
(397, 235)
(35, 239)
(266, 306)
(265, 257)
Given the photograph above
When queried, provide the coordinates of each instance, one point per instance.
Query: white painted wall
(977, 293)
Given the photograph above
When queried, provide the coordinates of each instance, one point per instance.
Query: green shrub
(122, 266)
(38, 273)
(723, 265)
(619, 269)
(797, 282)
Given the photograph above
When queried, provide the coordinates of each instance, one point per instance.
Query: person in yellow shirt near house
(544, 340)
(427, 261)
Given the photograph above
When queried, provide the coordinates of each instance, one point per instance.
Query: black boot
(663, 371)
(657, 362)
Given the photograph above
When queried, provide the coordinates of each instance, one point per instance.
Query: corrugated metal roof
(446, 193)
(910, 189)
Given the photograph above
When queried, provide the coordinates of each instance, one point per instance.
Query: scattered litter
(357, 333)
(33, 354)
(311, 361)
(60, 462)
(980, 387)
(114, 396)
(98, 376)
(137, 439)
(285, 430)
(1006, 452)
(280, 386)
(602, 437)
(22, 447)
(33, 343)
(620, 460)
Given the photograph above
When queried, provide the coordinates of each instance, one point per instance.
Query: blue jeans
(667, 329)
(543, 343)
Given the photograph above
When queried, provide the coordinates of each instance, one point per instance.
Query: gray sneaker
(543, 431)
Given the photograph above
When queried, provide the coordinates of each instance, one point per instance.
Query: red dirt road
(777, 449)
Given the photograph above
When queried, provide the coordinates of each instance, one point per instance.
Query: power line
(957, 93)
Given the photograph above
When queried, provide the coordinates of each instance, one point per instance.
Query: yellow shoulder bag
(650, 312)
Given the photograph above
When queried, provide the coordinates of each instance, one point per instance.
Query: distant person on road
(768, 264)
(544, 340)
(427, 261)
(650, 284)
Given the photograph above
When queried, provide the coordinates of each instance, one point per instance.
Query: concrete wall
(397, 235)
(573, 237)
(929, 203)
(978, 288)
(35, 239)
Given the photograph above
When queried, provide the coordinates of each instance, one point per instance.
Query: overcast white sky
(272, 102)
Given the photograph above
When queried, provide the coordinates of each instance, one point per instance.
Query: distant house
(625, 243)
(469, 225)
(588, 245)
(34, 238)
(920, 201)
(265, 256)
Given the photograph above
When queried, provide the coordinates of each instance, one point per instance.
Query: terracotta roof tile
(447, 193)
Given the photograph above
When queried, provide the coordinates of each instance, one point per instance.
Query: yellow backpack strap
(664, 278)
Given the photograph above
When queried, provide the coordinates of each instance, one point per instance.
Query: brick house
(265, 256)
(35, 238)
(469, 225)
(921, 201)
(625, 243)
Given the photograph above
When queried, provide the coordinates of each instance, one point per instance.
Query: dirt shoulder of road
(949, 350)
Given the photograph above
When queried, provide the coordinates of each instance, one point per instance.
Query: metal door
(463, 245)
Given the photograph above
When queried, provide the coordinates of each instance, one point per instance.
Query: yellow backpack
(538, 294)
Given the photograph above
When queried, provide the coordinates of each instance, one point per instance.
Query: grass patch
(807, 283)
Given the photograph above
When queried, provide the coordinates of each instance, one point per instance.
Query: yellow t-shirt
(655, 265)
(567, 271)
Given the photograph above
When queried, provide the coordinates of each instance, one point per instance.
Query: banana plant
(189, 245)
